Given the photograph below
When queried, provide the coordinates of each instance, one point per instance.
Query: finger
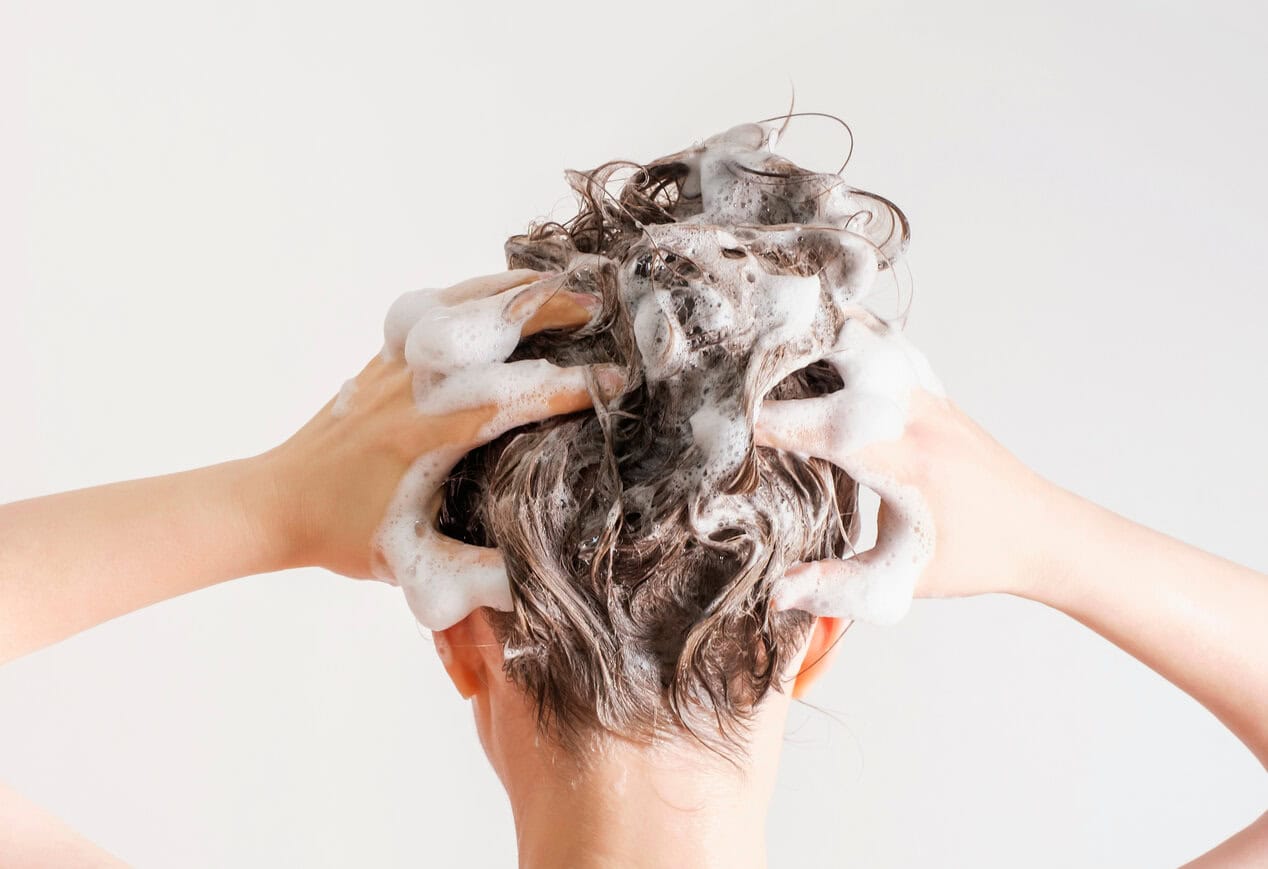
(875, 586)
(796, 425)
(534, 389)
(478, 331)
(523, 302)
(402, 316)
(832, 427)
(564, 310)
(444, 579)
(446, 338)
(449, 579)
(881, 360)
(483, 286)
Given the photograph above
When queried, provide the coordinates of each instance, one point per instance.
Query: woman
(666, 596)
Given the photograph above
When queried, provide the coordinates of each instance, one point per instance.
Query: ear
(820, 649)
(458, 650)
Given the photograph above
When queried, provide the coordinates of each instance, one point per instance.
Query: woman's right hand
(959, 514)
(337, 476)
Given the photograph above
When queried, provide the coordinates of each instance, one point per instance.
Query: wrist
(260, 498)
(1064, 521)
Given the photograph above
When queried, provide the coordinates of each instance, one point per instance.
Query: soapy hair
(631, 617)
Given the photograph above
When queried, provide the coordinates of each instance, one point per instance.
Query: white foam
(731, 295)
(343, 401)
(454, 346)
(789, 321)
(880, 368)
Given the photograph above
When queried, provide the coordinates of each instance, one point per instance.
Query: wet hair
(632, 614)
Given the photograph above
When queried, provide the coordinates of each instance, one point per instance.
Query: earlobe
(820, 648)
(455, 648)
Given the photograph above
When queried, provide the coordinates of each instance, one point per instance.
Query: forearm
(75, 559)
(30, 836)
(1199, 620)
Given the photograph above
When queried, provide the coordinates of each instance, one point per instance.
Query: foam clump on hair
(643, 542)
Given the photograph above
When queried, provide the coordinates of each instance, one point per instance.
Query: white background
(207, 208)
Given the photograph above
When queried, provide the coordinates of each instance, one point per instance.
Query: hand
(75, 559)
(959, 514)
(337, 476)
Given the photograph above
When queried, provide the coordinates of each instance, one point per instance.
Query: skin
(73, 560)
(315, 500)
(1195, 618)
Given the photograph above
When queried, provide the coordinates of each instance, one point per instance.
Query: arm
(30, 836)
(73, 560)
(1195, 618)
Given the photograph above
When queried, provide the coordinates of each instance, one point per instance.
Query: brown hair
(630, 618)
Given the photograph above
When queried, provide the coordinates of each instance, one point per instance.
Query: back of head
(642, 542)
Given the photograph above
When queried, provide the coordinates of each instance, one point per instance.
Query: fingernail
(589, 301)
(529, 299)
(443, 649)
(611, 380)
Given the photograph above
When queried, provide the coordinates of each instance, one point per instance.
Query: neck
(631, 805)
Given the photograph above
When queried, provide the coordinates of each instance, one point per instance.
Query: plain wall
(208, 207)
